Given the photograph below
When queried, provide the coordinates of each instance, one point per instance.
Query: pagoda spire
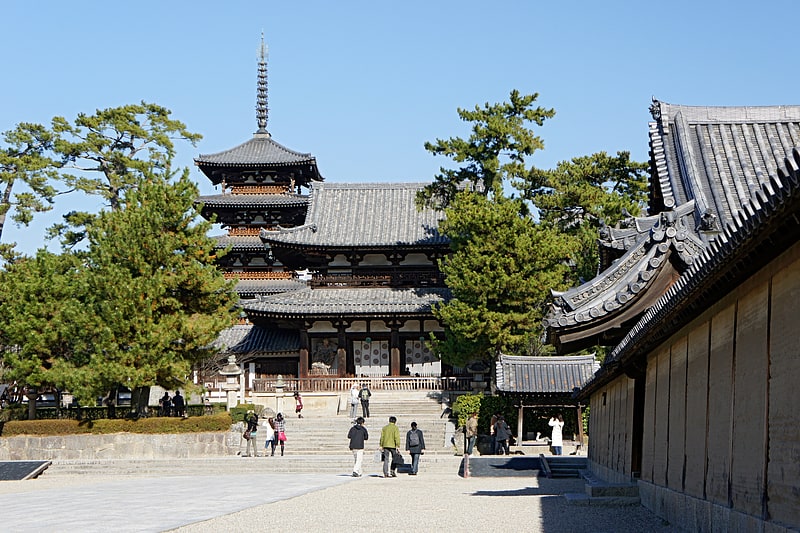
(262, 111)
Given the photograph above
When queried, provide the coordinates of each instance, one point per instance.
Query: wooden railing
(259, 275)
(259, 189)
(336, 384)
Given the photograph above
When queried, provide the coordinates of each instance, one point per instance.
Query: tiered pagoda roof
(709, 165)
(261, 157)
(261, 153)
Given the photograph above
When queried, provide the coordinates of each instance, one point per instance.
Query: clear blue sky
(363, 84)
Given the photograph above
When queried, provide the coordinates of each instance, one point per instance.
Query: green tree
(579, 196)
(495, 153)
(110, 153)
(24, 161)
(508, 252)
(500, 271)
(138, 307)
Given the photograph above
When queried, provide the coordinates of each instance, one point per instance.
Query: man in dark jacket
(415, 445)
(503, 433)
(357, 435)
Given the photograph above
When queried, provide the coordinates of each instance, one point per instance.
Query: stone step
(581, 499)
(599, 488)
(237, 464)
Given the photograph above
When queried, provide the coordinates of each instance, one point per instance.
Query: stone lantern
(478, 371)
(231, 371)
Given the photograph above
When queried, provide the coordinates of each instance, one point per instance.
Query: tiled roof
(238, 201)
(250, 339)
(768, 227)
(260, 151)
(720, 157)
(543, 375)
(250, 287)
(240, 242)
(379, 301)
(350, 215)
(709, 165)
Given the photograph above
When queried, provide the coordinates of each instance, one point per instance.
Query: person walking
(354, 401)
(472, 432)
(280, 432)
(556, 439)
(415, 445)
(269, 429)
(364, 395)
(503, 433)
(357, 435)
(298, 404)
(251, 432)
(390, 441)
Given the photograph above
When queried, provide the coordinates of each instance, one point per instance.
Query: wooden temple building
(700, 299)
(369, 255)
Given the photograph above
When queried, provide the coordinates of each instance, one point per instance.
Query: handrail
(337, 384)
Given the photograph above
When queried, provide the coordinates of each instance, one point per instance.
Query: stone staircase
(316, 435)
(563, 465)
(315, 444)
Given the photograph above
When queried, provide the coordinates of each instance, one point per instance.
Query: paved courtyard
(306, 503)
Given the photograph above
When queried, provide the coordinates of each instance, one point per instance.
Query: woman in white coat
(556, 439)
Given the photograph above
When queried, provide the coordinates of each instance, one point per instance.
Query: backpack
(413, 438)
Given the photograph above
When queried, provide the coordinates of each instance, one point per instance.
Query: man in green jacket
(390, 441)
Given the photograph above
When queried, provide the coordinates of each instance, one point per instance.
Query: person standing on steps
(357, 435)
(415, 445)
(280, 432)
(269, 443)
(364, 395)
(354, 401)
(389, 443)
(298, 404)
(252, 430)
(556, 439)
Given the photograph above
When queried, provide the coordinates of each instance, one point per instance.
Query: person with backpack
(364, 395)
(415, 445)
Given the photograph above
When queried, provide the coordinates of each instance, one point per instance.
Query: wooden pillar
(302, 367)
(394, 353)
(520, 417)
(341, 352)
(580, 426)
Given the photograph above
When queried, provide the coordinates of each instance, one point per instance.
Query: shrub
(465, 405)
(194, 424)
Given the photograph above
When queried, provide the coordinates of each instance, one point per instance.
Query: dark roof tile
(377, 214)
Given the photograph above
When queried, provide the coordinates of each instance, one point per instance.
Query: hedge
(192, 424)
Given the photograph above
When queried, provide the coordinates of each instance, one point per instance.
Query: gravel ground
(437, 502)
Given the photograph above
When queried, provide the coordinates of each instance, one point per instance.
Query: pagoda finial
(262, 110)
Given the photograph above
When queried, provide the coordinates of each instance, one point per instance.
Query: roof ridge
(786, 186)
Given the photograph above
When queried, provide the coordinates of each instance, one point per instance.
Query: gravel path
(437, 502)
